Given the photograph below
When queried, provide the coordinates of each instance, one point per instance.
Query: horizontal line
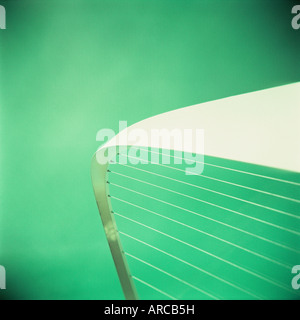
(211, 219)
(208, 253)
(192, 265)
(240, 186)
(154, 288)
(213, 191)
(208, 234)
(171, 275)
(214, 205)
(227, 182)
(226, 168)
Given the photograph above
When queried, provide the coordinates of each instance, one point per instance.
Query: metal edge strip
(101, 190)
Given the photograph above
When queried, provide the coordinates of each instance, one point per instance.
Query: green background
(71, 68)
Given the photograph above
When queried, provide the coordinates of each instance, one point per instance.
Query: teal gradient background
(71, 68)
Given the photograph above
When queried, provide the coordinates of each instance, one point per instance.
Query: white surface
(261, 127)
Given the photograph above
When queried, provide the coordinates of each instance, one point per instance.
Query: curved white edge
(261, 127)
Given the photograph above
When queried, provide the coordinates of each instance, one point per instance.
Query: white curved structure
(262, 128)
